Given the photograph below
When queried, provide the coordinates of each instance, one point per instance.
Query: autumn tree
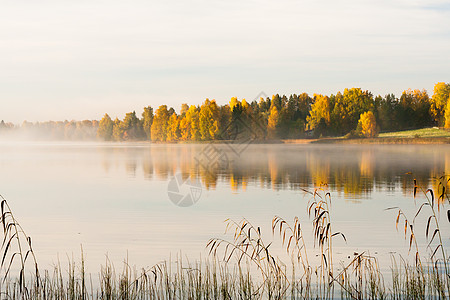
(244, 105)
(208, 120)
(117, 130)
(273, 122)
(348, 107)
(184, 126)
(147, 120)
(320, 111)
(447, 115)
(368, 124)
(184, 109)
(173, 128)
(185, 129)
(193, 118)
(189, 125)
(131, 127)
(233, 102)
(439, 101)
(159, 125)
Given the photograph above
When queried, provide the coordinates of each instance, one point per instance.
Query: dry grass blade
(411, 240)
(442, 195)
(432, 196)
(436, 231)
(16, 250)
(415, 188)
(435, 250)
(419, 210)
(341, 234)
(428, 226)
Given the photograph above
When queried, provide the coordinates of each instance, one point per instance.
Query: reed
(245, 267)
(359, 279)
(16, 254)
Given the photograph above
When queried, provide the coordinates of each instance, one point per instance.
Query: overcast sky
(79, 59)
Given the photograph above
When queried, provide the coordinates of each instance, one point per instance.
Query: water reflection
(354, 171)
(113, 197)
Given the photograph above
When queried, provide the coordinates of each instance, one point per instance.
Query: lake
(152, 202)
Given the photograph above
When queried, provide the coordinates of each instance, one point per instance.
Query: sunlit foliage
(368, 124)
(447, 115)
(105, 128)
(439, 101)
(147, 120)
(320, 112)
(273, 122)
(276, 117)
(160, 122)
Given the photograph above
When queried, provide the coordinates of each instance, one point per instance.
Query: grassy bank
(386, 141)
(417, 136)
(417, 133)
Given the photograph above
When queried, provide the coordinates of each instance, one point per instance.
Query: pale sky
(79, 59)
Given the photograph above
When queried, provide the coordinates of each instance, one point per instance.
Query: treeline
(353, 112)
(52, 130)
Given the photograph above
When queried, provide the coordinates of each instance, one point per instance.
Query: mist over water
(112, 198)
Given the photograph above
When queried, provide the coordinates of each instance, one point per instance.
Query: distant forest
(354, 113)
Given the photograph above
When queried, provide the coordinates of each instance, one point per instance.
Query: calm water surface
(113, 198)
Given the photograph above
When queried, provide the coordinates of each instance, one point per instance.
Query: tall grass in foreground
(244, 267)
(16, 254)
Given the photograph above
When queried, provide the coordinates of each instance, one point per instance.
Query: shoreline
(326, 140)
(387, 141)
(332, 140)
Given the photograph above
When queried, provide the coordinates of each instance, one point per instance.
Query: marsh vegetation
(244, 266)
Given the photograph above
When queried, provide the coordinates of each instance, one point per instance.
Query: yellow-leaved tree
(105, 128)
(368, 124)
(273, 122)
(192, 119)
(234, 102)
(244, 104)
(319, 110)
(159, 125)
(147, 120)
(208, 120)
(439, 101)
(173, 128)
(447, 114)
